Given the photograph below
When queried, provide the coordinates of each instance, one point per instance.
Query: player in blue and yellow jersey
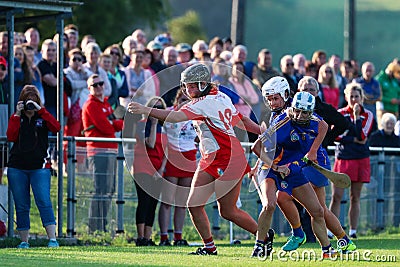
(293, 134)
(337, 125)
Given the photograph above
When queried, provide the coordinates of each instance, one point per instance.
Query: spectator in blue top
(371, 86)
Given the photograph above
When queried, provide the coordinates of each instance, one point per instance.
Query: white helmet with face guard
(303, 105)
(276, 85)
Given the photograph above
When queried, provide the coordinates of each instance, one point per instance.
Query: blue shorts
(314, 176)
(285, 185)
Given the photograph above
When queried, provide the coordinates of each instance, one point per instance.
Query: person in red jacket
(29, 162)
(98, 121)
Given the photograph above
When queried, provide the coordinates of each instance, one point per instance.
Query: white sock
(53, 239)
(352, 231)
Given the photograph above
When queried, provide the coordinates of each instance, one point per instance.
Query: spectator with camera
(29, 165)
(98, 121)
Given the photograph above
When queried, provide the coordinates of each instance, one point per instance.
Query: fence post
(71, 199)
(215, 219)
(380, 195)
(120, 191)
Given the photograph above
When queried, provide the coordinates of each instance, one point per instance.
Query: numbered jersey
(214, 117)
(181, 135)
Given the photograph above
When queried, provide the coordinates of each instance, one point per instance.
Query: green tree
(186, 28)
(108, 21)
(111, 21)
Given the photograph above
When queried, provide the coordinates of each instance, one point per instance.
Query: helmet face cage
(303, 105)
(276, 85)
(196, 73)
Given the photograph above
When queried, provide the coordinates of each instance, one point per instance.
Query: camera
(29, 106)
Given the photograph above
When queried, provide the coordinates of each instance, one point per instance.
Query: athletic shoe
(259, 251)
(23, 245)
(53, 244)
(181, 243)
(141, 241)
(346, 248)
(354, 236)
(330, 236)
(294, 242)
(165, 243)
(151, 243)
(204, 252)
(331, 253)
(270, 242)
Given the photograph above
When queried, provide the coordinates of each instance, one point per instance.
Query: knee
(166, 207)
(228, 213)
(337, 197)
(317, 212)
(269, 208)
(194, 210)
(354, 199)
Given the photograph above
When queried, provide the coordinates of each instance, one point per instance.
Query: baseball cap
(161, 39)
(3, 61)
(152, 45)
(183, 47)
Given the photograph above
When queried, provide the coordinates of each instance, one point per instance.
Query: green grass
(384, 246)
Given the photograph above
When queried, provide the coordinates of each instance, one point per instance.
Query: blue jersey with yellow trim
(287, 141)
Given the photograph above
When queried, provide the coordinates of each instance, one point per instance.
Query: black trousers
(148, 192)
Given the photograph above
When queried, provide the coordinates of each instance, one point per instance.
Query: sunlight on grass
(383, 247)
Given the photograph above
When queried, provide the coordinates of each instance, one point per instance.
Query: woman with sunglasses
(98, 121)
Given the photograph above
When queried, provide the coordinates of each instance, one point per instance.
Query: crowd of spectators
(142, 68)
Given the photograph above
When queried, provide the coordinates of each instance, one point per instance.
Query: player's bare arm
(161, 114)
(322, 130)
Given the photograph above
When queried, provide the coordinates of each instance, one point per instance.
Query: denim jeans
(20, 182)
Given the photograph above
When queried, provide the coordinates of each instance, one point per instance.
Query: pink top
(248, 96)
(331, 96)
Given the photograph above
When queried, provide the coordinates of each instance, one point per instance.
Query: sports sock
(259, 243)
(326, 248)
(177, 235)
(164, 236)
(352, 231)
(298, 232)
(343, 236)
(209, 244)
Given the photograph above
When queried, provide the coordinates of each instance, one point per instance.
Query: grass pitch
(374, 250)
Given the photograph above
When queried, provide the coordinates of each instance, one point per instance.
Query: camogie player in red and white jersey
(223, 163)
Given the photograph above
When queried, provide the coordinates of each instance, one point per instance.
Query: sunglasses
(289, 64)
(328, 71)
(95, 85)
(114, 53)
(75, 59)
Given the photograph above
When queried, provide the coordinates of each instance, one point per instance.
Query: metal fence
(380, 199)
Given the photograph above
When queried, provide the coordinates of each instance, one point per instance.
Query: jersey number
(226, 118)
